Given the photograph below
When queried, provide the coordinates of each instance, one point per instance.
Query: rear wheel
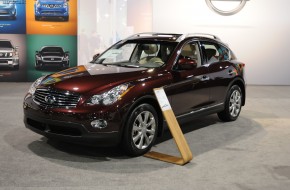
(233, 104)
(141, 130)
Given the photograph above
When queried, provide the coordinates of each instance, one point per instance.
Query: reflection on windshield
(132, 54)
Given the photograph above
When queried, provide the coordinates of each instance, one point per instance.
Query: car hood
(97, 77)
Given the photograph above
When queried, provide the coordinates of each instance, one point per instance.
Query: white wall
(259, 34)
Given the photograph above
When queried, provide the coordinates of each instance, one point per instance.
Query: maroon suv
(111, 101)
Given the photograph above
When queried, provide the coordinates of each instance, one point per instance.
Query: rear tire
(141, 130)
(233, 104)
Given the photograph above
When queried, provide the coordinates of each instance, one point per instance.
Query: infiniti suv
(51, 9)
(53, 56)
(111, 101)
(9, 57)
(8, 9)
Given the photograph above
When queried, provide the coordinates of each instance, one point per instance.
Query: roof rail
(198, 35)
(155, 34)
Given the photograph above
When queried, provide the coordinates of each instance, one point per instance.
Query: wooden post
(175, 130)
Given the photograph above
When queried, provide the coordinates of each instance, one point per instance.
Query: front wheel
(233, 104)
(140, 130)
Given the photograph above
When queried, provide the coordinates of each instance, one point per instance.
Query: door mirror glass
(186, 64)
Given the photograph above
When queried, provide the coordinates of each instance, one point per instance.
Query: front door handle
(204, 78)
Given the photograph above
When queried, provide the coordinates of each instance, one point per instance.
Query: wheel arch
(151, 100)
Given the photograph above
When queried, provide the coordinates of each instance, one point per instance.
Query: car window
(138, 54)
(191, 51)
(212, 52)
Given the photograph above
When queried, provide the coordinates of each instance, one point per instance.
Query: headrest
(188, 50)
(210, 52)
(150, 48)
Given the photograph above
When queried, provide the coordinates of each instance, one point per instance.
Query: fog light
(100, 124)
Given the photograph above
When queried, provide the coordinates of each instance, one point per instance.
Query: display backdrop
(11, 74)
(29, 25)
(37, 42)
(258, 34)
(13, 24)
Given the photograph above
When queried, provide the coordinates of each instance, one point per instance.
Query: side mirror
(96, 56)
(186, 64)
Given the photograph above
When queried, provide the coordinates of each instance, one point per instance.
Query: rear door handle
(231, 72)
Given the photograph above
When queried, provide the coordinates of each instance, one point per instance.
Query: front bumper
(9, 62)
(70, 126)
(7, 12)
(62, 63)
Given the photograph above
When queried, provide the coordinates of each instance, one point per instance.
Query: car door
(221, 70)
(190, 88)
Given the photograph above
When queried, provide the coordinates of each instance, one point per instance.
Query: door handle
(231, 72)
(204, 78)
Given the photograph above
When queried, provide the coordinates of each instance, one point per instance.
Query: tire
(140, 133)
(233, 104)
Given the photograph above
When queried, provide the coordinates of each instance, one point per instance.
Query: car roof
(174, 37)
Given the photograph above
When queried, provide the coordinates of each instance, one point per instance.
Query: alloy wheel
(144, 129)
(235, 103)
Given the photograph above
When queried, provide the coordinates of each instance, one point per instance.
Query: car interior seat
(210, 53)
(151, 51)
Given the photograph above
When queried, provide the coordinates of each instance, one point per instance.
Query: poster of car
(49, 54)
(12, 17)
(51, 17)
(12, 57)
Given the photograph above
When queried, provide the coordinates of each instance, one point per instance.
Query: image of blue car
(8, 10)
(51, 9)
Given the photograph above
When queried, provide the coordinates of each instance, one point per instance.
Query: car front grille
(4, 55)
(52, 6)
(55, 99)
(52, 59)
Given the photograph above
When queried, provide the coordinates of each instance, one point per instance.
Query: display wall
(36, 38)
(257, 34)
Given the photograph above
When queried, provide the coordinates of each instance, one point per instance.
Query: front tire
(233, 104)
(141, 130)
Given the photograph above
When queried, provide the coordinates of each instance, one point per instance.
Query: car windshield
(52, 50)
(5, 44)
(137, 54)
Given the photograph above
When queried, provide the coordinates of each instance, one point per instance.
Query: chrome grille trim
(61, 99)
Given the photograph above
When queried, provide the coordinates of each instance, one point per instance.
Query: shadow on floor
(203, 135)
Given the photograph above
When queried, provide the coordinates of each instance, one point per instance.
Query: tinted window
(191, 51)
(212, 52)
(52, 49)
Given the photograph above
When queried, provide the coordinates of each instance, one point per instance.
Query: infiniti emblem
(49, 99)
(52, 59)
(226, 13)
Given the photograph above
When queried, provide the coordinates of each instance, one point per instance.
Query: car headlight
(35, 84)
(38, 58)
(38, 4)
(65, 5)
(110, 96)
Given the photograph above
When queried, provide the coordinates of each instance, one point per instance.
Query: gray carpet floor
(250, 153)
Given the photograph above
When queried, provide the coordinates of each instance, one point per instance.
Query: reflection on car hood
(86, 78)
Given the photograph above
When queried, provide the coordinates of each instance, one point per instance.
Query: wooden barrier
(175, 130)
